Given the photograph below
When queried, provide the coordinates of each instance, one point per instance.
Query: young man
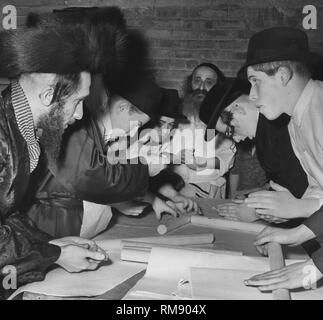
(240, 119)
(278, 68)
(49, 70)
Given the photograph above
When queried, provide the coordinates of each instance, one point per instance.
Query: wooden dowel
(173, 224)
(135, 254)
(276, 261)
(142, 254)
(224, 224)
(177, 240)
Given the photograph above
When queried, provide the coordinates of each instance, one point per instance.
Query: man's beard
(193, 102)
(52, 131)
(199, 95)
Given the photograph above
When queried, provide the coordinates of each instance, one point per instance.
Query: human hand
(292, 237)
(76, 258)
(160, 206)
(279, 203)
(237, 210)
(302, 274)
(188, 204)
(81, 242)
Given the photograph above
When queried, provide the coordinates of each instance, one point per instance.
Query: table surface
(146, 226)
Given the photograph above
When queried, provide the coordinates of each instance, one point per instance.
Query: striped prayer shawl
(25, 123)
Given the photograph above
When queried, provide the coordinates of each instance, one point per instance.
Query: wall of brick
(182, 33)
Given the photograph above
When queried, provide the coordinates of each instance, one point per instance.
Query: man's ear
(46, 96)
(284, 75)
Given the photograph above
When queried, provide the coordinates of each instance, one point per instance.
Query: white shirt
(306, 133)
(192, 137)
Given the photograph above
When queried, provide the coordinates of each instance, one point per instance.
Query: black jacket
(83, 173)
(21, 243)
(276, 155)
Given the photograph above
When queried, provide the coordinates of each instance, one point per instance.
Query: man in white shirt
(278, 67)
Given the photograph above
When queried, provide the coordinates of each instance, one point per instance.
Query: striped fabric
(25, 123)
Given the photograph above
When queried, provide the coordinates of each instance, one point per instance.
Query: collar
(25, 122)
(303, 102)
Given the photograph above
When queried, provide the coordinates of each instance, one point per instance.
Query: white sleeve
(314, 191)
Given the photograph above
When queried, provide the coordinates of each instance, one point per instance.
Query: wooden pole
(142, 254)
(173, 224)
(176, 240)
(276, 261)
(224, 224)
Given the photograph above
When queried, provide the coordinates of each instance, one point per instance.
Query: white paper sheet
(224, 284)
(167, 267)
(213, 284)
(61, 283)
(96, 218)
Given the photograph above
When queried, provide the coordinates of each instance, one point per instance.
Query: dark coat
(21, 244)
(83, 173)
(276, 155)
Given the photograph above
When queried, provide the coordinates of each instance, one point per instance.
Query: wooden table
(146, 226)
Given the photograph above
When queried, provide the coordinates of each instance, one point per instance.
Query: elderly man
(49, 72)
(202, 79)
(278, 68)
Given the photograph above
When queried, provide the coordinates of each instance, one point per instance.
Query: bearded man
(202, 79)
(50, 77)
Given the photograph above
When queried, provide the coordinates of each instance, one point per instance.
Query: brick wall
(183, 33)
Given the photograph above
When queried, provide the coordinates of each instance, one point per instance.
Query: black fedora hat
(170, 104)
(146, 95)
(277, 44)
(238, 88)
(210, 102)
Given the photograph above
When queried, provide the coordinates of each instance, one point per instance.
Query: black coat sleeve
(22, 245)
(315, 224)
(85, 172)
(26, 248)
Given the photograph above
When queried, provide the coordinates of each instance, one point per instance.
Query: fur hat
(78, 15)
(57, 51)
(120, 53)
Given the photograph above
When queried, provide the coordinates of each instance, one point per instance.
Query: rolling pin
(173, 224)
(276, 261)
